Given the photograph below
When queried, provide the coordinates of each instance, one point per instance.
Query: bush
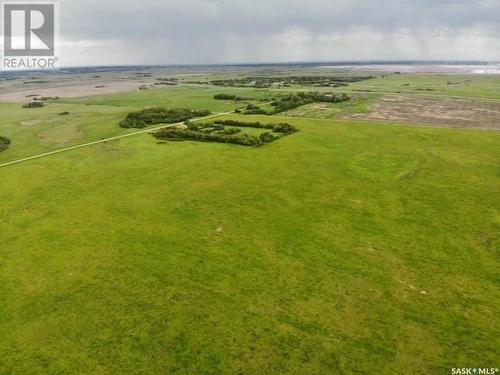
(33, 105)
(252, 107)
(229, 97)
(255, 112)
(63, 113)
(284, 128)
(191, 125)
(230, 131)
(200, 112)
(160, 115)
(267, 137)
(4, 143)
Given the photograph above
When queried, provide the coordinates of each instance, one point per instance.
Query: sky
(123, 32)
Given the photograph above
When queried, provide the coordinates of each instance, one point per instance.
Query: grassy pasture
(38, 130)
(178, 96)
(343, 248)
(470, 85)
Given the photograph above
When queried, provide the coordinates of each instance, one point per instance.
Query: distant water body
(421, 68)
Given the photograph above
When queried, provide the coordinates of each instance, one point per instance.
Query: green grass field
(177, 96)
(464, 85)
(342, 248)
(38, 130)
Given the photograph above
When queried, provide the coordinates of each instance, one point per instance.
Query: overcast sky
(255, 31)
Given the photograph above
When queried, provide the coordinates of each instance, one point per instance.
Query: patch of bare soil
(433, 111)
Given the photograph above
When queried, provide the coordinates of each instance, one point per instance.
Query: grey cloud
(198, 31)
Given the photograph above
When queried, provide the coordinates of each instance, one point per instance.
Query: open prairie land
(346, 244)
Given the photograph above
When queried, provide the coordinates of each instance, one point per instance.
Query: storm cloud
(244, 31)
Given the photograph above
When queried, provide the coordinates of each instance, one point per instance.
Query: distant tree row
(291, 101)
(160, 115)
(230, 97)
(286, 81)
(33, 105)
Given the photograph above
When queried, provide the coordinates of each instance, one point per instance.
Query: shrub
(224, 97)
(63, 113)
(191, 125)
(230, 131)
(255, 112)
(200, 112)
(4, 143)
(252, 107)
(266, 137)
(33, 105)
(284, 128)
(229, 97)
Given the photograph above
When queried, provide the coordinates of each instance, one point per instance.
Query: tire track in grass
(87, 144)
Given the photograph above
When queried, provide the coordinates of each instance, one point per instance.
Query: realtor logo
(30, 32)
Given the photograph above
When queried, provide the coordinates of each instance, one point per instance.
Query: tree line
(160, 115)
(230, 97)
(286, 81)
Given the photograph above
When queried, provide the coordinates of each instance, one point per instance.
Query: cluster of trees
(33, 105)
(283, 128)
(217, 132)
(167, 79)
(186, 134)
(160, 115)
(335, 81)
(4, 143)
(253, 109)
(264, 82)
(296, 100)
(229, 97)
